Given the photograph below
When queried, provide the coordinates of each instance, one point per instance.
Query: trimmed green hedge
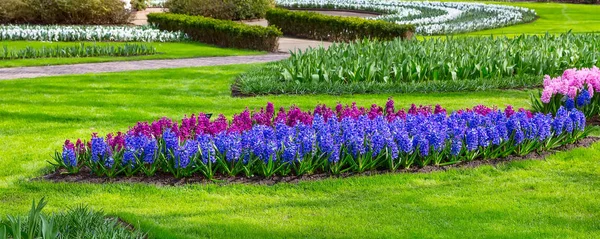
(221, 9)
(219, 32)
(317, 26)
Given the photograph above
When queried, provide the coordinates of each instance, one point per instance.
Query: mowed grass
(556, 198)
(553, 18)
(165, 50)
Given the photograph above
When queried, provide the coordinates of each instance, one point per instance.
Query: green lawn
(553, 18)
(170, 50)
(556, 198)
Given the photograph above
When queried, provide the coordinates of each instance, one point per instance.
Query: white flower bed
(429, 25)
(87, 33)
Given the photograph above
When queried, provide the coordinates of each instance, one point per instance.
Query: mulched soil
(167, 179)
(594, 121)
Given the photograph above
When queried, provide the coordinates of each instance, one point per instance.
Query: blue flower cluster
(458, 134)
(68, 155)
(336, 143)
(139, 147)
(100, 149)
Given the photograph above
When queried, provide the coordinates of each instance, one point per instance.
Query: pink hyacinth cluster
(571, 83)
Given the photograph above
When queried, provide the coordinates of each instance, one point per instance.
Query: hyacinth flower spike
(347, 139)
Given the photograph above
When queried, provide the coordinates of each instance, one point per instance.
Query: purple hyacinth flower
(583, 98)
(456, 146)
(472, 139)
(68, 154)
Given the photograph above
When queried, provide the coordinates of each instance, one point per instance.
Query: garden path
(286, 44)
(41, 71)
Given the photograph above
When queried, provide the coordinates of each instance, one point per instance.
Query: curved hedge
(219, 32)
(318, 26)
(221, 9)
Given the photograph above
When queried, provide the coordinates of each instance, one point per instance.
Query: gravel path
(41, 71)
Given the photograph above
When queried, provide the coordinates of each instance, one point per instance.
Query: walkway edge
(119, 66)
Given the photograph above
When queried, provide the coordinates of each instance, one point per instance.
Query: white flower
(429, 17)
(87, 33)
(127, 4)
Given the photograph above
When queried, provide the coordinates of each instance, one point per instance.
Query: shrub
(345, 139)
(435, 61)
(317, 26)
(219, 32)
(139, 5)
(80, 50)
(221, 9)
(15, 11)
(64, 12)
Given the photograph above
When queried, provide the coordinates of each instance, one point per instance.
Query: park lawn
(553, 18)
(552, 198)
(165, 50)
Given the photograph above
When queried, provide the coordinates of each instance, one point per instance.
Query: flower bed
(335, 141)
(574, 89)
(430, 65)
(81, 50)
(430, 18)
(87, 33)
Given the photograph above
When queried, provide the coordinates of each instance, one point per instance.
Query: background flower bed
(81, 50)
(430, 18)
(430, 65)
(87, 33)
(347, 139)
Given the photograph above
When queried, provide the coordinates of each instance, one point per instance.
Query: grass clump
(78, 222)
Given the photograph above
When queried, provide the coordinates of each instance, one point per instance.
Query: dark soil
(593, 121)
(84, 176)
